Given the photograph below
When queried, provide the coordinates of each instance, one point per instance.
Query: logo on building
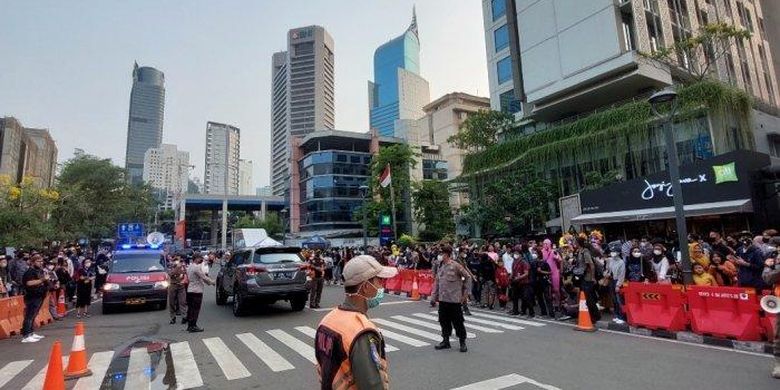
(725, 173)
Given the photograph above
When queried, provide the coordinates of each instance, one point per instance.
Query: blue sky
(67, 65)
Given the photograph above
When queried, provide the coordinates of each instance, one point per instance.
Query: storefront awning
(693, 210)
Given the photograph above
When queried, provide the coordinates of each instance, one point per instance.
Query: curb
(747, 346)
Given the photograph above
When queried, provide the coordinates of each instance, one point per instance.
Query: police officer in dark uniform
(450, 290)
(349, 348)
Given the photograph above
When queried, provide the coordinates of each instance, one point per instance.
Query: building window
(501, 38)
(628, 31)
(504, 68)
(498, 7)
(509, 102)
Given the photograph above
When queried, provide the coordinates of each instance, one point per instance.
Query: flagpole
(392, 203)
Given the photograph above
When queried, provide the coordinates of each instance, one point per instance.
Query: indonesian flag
(385, 179)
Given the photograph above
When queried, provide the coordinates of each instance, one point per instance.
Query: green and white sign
(725, 173)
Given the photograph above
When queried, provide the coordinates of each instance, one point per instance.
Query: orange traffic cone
(415, 290)
(54, 378)
(584, 324)
(77, 364)
(61, 308)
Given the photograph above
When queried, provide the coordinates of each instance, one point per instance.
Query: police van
(136, 277)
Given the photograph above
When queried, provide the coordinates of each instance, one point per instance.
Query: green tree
(24, 213)
(432, 209)
(272, 223)
(700, 53)
(481, 130)
(401, 158)
(95, 196)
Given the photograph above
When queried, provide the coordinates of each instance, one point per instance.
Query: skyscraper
(245, 183)
(223, 145)
(398, 91)
(145, 121)
(167, 169)
(302, 95)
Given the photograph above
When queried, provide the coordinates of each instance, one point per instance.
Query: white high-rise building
(167, 169)
(302, 95)
(245, 183)
(223, 146)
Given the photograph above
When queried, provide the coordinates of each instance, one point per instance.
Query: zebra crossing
(278, 350)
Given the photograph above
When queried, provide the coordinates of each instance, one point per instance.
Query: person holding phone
(35, 287)
(85, 277)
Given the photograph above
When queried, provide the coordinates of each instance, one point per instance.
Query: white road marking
(98, 363)
(404, 339)
(428, 325)
(468, 325)
(408, 329)
(311, 332)
(37, 382)
(231, 367)
(296, 345)
(505, 381)
(187, 373)
(492, 323)
(139, 370)
(273, 360)
(507, 319)
(10, 370)
(381, 304)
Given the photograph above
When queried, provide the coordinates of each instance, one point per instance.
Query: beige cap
(364, 267)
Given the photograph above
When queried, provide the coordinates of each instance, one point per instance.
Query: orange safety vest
(333, 345)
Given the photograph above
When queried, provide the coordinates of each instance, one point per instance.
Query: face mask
(176, 263)
(657, 252)
(534, 256)
(87, 265)
(440, 257)
(50, 267)
(377, 299)
(516, 256)
(613, 254)
(636, 254)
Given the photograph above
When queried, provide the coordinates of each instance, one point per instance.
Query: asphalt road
(271, 349)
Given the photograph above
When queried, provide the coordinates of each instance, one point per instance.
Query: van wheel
(239, 303)
(299, 302)
(221, 295)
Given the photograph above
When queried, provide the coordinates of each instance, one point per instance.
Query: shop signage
(718, 179)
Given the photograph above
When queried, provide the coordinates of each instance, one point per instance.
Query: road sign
(385, 229)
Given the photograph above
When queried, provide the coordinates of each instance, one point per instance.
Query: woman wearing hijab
(551, 257)
(698, 256)
(85, 277)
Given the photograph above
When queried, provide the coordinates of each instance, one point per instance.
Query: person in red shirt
(521, 284)
(502, 283)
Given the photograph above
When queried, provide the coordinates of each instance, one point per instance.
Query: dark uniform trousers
(451, 316)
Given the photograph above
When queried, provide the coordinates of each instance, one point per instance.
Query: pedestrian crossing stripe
(415, 330)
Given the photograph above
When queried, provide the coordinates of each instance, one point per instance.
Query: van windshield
(277, 258)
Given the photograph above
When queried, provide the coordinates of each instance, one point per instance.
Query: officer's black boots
(463, 346)
(443, 345)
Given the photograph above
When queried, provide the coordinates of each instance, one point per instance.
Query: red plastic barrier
(768, 321)
(425, 282)
(407, 279)
(393, 284)
(655, 306)
(728, 312)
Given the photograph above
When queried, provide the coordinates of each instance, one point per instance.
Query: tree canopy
(24, 209)
(432, 209)
(481, 130)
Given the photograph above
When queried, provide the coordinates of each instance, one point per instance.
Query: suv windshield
(127, 263)
(277, 258)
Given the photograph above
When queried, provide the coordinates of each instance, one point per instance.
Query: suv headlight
(110, 287)
(161, 285)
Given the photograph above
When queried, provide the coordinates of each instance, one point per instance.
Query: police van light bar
(139, 246)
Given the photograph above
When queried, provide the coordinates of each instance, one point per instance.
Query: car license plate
(284, 275)
(135, 301)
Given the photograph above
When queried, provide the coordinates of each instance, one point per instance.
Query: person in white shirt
(660, 263)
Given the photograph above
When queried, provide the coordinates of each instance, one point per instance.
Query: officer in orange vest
(349, 348)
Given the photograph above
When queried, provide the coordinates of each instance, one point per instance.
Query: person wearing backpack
(588, 285)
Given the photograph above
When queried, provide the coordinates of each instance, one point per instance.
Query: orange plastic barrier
(425, 282)
(393, 284)
(44, 316)
(11, 316)
(407, 279)
(656, 306)
(728, 312)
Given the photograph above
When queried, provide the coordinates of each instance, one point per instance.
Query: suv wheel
(299, 302)
(221, 294)
(239, 303)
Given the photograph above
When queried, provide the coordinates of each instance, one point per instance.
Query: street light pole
(364, 194)
(284, 225)
(659, 98)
